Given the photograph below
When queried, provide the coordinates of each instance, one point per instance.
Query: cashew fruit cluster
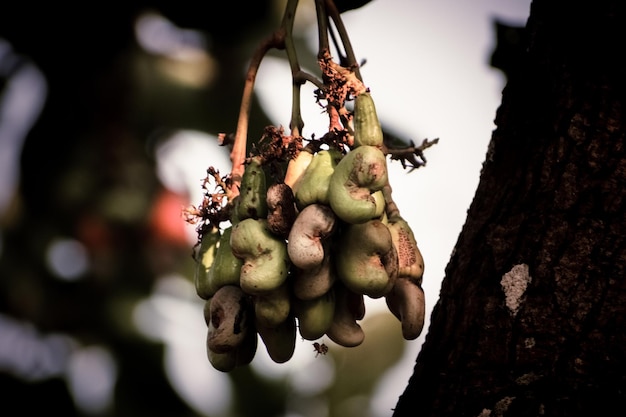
(303, 252)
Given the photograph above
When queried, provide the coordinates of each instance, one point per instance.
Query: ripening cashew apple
(311, 283)
(410, 260)
(315, 181)
(365, 258)
(296, 168)
(265, 259)
(305, 244)
(355, 187)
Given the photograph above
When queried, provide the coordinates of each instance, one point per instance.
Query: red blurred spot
(166, 220)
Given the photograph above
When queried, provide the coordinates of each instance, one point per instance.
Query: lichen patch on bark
(514, 285)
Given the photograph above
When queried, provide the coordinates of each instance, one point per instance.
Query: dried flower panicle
(214, 207)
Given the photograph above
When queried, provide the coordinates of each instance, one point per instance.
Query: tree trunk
(530, 319)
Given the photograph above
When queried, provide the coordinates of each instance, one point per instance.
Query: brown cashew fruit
(315, 182)
(273, 308)
(314, 282)
(280, 341)
(315, 316)
(305, 244)
(406, 302)
(242, 355)
(230, 319)
(366, 260)
(344, 330)
(281, 209)
(355, 187)
(265, 259)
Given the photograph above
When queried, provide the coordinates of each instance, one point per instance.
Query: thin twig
(391, 208)
(296, 124)
(302, 76)
(322, 28)
(351, 61)
(238, 153)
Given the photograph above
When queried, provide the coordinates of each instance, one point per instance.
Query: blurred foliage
(87, 172)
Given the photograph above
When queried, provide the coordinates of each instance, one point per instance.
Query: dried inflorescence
(213, 209)
(341, 83)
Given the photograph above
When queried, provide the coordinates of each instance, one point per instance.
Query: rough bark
(530, 319)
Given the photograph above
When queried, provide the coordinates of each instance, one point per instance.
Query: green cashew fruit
(315, 182)
(355, 192)
(280, 341)
(273, 308)
(205, 258)
(252, 193)
(367, 129)
(366, 260)
(225, 269)
(345, 330)
(315, 316)
(265, 259)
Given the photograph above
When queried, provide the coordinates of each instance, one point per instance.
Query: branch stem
(296, 124)
(351, 61)
(238, 153)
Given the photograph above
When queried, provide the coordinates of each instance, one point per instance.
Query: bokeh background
(109, 118)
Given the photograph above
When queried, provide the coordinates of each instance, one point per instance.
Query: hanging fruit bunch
(293, 239)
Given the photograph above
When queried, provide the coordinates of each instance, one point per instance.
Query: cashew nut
(281, 209)
(305, 243)
(229, 319)
(344, 330)
(406, 302)
(280, 341)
